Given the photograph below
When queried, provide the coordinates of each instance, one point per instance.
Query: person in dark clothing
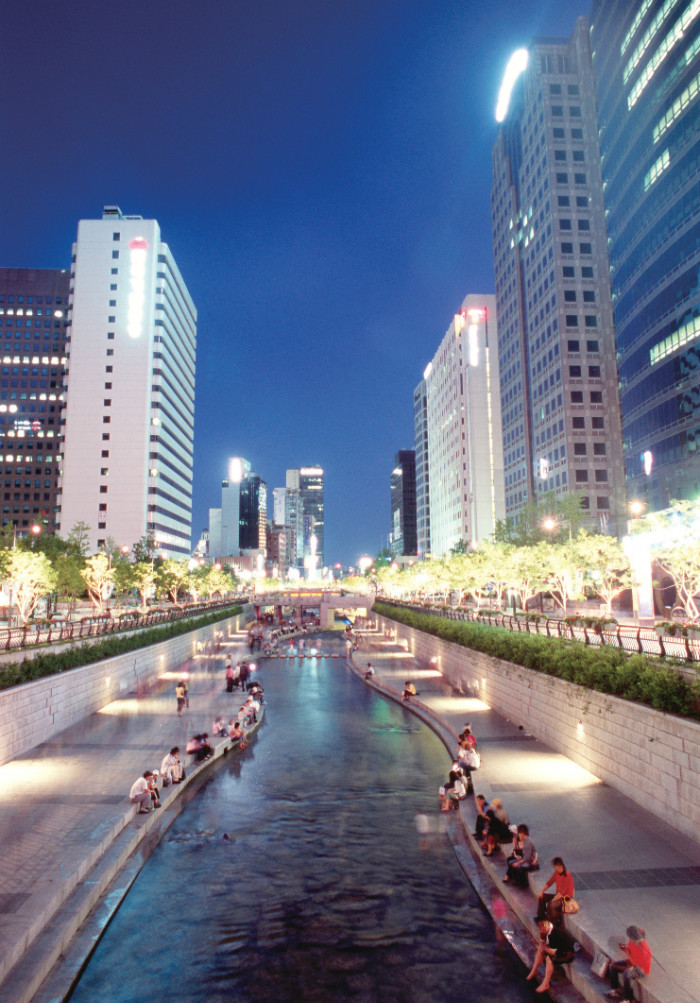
(555, 947)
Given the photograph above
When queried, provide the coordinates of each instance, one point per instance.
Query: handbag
(600, 964)
(570, 906)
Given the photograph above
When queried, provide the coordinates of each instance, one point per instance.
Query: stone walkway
(64, 807)
(629, 867)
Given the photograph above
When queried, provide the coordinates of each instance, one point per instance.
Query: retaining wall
(652, 757)
(34, 712)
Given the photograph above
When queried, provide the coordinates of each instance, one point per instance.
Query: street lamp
(636, 507)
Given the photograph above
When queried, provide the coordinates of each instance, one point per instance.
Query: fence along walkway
(31, 634)
(635, 640)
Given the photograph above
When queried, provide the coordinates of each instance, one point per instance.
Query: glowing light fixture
(517, 64)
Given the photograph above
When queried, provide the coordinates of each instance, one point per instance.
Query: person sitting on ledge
(219, 729)
(237, 735)
(199, 747)
(551, 907)
(140, 793)
(482, 819)
(153, 788)
(636, 965)
(455, 790)
(409, 690)
(369, 671)
(555, 947)
(171, 768)
(522, 859)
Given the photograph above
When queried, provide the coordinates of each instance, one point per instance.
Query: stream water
(297, 872)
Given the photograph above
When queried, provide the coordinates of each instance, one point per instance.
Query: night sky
(321, 171)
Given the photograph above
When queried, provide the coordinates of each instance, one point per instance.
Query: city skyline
(327, 234)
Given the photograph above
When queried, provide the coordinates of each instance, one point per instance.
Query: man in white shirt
(171, 768)
(140, 793)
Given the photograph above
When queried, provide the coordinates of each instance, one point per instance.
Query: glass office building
(646, 59)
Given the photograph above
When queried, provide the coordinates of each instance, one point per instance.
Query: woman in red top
(552, 905)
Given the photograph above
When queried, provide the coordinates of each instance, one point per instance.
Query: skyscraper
(403, 536)
(239, 526)
(127, 468)
(309, 513)
(420, 435)
(465, 452)
(647, 65)
(33, 323)
(556, 340)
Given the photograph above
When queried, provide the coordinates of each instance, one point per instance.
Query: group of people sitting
(555, 946)
(144, 791)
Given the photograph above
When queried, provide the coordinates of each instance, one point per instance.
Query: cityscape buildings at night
(238, 527)
(647, 65)
(465, 453)
(403, 540)
(556, 338)
(129, 418)
(420, 438)
(305, 509)
(33, 329)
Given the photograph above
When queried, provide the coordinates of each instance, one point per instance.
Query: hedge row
(51, 663)
(606, 670)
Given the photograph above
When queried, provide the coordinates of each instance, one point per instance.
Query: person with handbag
(555, 947)
(552, 906)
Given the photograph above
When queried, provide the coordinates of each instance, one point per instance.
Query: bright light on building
(138, 248)
(517, 64)
(235, 470)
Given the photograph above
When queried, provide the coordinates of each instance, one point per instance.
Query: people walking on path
(180, 697)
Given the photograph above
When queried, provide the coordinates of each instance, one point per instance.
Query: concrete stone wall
(35, 712)
(652, 757)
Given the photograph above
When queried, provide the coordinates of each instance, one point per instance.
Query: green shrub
(52, 663)
(605, 670)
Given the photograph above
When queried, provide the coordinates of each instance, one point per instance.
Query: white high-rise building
(465, 447)
(127, 468)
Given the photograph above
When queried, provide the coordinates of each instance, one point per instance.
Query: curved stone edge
(54, 962)
(516, 929)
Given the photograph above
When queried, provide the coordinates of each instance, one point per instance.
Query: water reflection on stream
(323, 890)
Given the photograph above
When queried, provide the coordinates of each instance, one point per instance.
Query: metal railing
(635, 640)
(31, 634)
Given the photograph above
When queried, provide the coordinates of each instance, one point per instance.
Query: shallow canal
(323, 890)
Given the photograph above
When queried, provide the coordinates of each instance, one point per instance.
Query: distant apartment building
(33, 330)
(129, 417)
(647, 65)
(420, 436)
(556, 338)
(465, 453)
(403, 539)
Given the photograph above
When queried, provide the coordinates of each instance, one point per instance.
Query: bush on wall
(604, 669)
(50, 664)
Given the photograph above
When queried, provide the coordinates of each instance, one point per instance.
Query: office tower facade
(306, 510)
(239, 526)
(403, 536)
(127, 468)
(465, 452)
(647, 65)
(420, 437)
(33, 331)
(556, 340)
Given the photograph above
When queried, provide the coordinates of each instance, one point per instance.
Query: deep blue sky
(321, 170)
